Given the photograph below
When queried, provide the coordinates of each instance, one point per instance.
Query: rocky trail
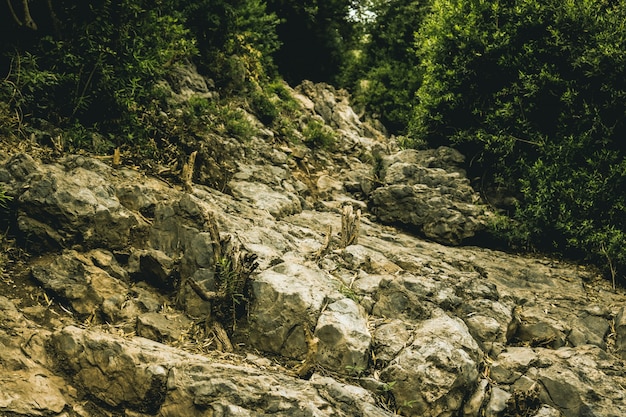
(317, 282)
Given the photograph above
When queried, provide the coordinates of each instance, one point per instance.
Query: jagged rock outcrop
(106, 320)
(429, 192)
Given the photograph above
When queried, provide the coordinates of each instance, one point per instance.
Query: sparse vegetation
(318, 135)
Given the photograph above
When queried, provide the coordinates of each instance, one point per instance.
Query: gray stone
(389, 339)
(433, 375)
(486, 330)
(28, 387)
(438, 202)
(139, 375)
(405, 297)
(590, 329)
(163, 327)
(547, 411)
(540, 334)
(474, 404)
(154, 267)
(75, 204)
(344, 339)
(286, 298)
(497, 402)
(21, 165)
(262, 196)
(74, 278)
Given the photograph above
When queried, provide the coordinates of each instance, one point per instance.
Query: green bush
(319, 136)
(533, 93)
(383, 72)
(98, 67)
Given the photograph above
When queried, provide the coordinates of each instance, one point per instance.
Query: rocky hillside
(327, 281)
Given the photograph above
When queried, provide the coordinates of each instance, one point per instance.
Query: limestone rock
(163, 327)
(389, 340)
(435, 201)
(344, 339)
(73, 277)
(497, 402)
(28, 387)
(286, 298)
(278, 204)
(75, 204)
(433, 375)
(139, 375)
(475, 402)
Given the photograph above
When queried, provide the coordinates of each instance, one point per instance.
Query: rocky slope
(360, 301)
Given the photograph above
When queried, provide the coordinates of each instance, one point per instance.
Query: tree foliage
(534, 93)
(99, 64)
(316, 36)
(384, 73)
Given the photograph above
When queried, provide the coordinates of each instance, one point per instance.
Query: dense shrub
(534, 93)
(384, 72)
(95, 65)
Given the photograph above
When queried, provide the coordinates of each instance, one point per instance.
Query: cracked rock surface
(100, 319)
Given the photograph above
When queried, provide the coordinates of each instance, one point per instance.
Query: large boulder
(28, 387)
(344, 339)
(286, 298)
(140, 375)
(432, 375)
(74, 203)
(430, 194)
(72, 277)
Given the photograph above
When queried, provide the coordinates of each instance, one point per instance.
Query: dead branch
(312, 343)
(204, 295)
(325, 248)
(350, 224)
(13, 14)
(28, 20)
(187, 173)
(117, 159)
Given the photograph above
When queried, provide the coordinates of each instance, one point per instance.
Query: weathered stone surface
(278, 204)
(589, 329)
(389, 339)
(474, 404)
(433, 375)
(437, 202)
(344, 339)
(287, 297)
(28, 387)
(142, 375)
(163, 327)
(154, 267)
(497, 402)
(73, 204)
(73, 277)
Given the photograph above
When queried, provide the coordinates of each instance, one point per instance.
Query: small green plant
(349, 293)
(355, 370)
(4, 198)
(264, 107)
(409, 404)
(389, 386)
(319, 136)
